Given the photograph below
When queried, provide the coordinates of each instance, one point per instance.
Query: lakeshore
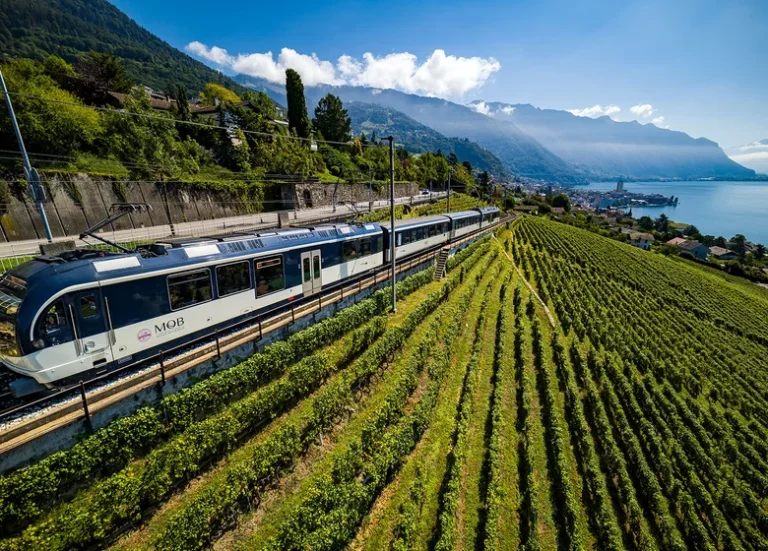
(715, 208)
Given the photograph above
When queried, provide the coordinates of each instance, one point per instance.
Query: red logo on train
(144, 335)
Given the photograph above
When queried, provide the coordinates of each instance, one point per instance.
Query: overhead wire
(177, 121)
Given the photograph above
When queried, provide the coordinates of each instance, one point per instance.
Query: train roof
(486, 210)
(416, 222)
(80, 266)
(462, 214)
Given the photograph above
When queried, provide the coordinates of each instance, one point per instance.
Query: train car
(416, 235)
(489, 216)
(464, 222)
(82, 313)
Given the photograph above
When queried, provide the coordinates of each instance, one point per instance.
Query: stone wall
(77, 201)
(313, 195)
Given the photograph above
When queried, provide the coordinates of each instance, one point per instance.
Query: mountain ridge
(619, 149)
(418, 138)
(521, 154)
(71, 28)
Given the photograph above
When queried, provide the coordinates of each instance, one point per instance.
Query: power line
(177, 121)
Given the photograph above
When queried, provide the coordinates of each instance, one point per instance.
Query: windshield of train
(12, 290)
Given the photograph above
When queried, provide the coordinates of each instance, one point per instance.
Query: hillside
(417, 138)
(556, 390)
(520, 153)
(605, 148)
(70, 28)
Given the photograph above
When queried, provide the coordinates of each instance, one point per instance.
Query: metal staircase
(440, 262)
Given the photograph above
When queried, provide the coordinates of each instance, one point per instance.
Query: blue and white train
(84, 313)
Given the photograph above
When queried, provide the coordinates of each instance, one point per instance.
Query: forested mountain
(521, 154)
(606, 148)
(417, 138)
(71, 28)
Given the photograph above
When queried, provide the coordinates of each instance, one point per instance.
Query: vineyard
(556, 391)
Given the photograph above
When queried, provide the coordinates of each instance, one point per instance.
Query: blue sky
(699, 64)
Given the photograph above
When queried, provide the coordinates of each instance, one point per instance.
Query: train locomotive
(83, 313)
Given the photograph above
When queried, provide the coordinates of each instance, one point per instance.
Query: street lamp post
(33, 178)
(392, 217)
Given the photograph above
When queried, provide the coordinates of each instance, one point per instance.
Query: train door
(311, 272)
(92, 338)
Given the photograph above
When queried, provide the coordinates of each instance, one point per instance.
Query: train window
(316, 267)
(419, 234)
(365, 246)
(189, 288)
(88, 307)
(270, 276)
(55, 318)
(305, 269)
(233, 278)
(350, 250)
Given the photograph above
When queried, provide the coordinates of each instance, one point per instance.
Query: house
(722, 253)
(698, 250)
(641, 240)
(628, 231)
(675, 241)
(531, 209)
(558, 210)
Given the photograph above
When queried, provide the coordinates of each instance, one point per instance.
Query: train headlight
(38, 344)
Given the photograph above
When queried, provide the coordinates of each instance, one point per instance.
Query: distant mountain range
(521, 154)
(540, 144)
(418, 138)
(604, 148)
(71, 28)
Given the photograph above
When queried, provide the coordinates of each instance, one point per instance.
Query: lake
(715, 208)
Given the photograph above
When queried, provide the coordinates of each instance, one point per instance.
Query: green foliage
(101, 72)
(71, 28)
(298, 120)
(47, 125)
(216, 92)
(561, 200)
(331, 119)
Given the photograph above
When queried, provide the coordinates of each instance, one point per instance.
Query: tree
(563, 201)
(101, 73)
(721, 242)
(216, 92)
(183, 112)
(331, 119)
(51, 120)
(759, 251)
(484, 183)
(298, 120)
(739, 244)
(662, 223)
(645, 223)
(691, 230)
(468, 166)
(453, 160)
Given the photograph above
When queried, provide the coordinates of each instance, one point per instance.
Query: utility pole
(450, 171)
(33, 178)
(392, 217)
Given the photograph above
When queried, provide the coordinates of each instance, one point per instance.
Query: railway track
(22, 422)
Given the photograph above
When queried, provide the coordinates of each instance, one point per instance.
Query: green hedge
(28, 492)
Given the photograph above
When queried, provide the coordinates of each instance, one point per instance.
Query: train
(83, 313)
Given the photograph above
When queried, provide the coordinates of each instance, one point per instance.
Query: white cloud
(507, 109)
(596, 111)
(439, 75)
(215, 54)
(644, 110)
(659, 121)
(480, 107)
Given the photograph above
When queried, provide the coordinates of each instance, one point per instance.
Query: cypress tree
(298, 119)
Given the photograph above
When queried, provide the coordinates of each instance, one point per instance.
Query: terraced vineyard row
(467, 420)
